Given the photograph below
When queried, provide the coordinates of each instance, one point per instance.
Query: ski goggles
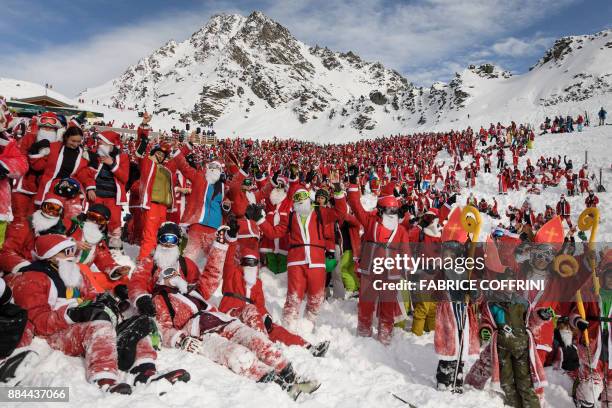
(97, 218)
(70, 251)
(301, 196)
(51, 209)
(48, 121)
(247, 182)
(168, 239)
(546, 256)
(169, 273)
(214, 166)
(249, 261)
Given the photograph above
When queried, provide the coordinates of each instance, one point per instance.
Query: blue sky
(76, 44)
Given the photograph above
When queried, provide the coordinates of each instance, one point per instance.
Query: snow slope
(358, 372)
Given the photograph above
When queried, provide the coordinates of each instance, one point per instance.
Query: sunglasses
(97, 218)
(52, 209)
(168, 239)
(249, 262)
(214, 166)
(70, 251)
(301, 196)
(544, 256)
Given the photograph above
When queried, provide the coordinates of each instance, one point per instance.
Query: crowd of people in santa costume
(211, 217)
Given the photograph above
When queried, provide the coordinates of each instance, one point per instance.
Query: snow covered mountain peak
(251, 77)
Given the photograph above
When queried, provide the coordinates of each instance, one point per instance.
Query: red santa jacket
(307, 241)
(41, 291)
(28, 183)
(98, 255)
(15, 162)
(148, 169)
(50, 165)
(121, 172)
(563, 208)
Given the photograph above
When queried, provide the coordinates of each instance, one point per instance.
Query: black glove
(353, 172)
(293, 171)
(232, 223)
(88, 312)
(253, 212)
(403, 210)
(107, 300)
(337, 188)
(582, 324)
(275, 177)
(246, 164)
(546, 314)
(121, 292)
(142, 145)
(330, 255)
(94, 160)
(259, 174)
(145, 306)
(268, 323)
(36, 146)
(3, 172)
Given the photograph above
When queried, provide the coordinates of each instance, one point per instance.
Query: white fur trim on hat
(67, 243)
(54, 201)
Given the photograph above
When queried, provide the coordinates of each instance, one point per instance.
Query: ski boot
(14, 368)
(268, 377)
(146, 373)
(112, 386)
(319, 349)
(289, 382)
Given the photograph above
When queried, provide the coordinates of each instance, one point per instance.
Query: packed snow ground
(357, 372)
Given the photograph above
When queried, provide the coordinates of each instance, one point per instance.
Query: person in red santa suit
(563, 210)
(111, 175)
(89, 230)
(13, 165)
(592, 200)
(16, 252)
(156, 186)
(278, 206)
(583, 179)
(381, 227)
(243, 297)
(53, 291)
(306, 236)
(65, 159)
(35, 143)
(161, 287)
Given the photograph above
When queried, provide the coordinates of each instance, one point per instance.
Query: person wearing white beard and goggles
(306, 234)
(278, 208)
(16, 251)
(89, 230)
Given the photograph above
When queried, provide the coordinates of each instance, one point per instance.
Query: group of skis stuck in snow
(210, 217)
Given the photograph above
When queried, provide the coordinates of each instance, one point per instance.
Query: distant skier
(602, 116)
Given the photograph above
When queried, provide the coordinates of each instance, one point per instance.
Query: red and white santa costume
(43, 293)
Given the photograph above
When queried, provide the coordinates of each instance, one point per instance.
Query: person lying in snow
(168, 286)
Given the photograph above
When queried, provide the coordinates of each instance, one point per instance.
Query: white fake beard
(46, 134)
(212, 176)
(104, 150)
(42, 222)
(390, 222)
(92, 233)
(277, 195)
(303, 208)
(250, 274)
(69, 272)
(566, 337)
(166, 257)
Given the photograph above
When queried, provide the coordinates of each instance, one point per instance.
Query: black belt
(237, 296)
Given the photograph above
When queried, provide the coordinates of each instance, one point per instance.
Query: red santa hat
(388, 189)
(248, 252)
(388, 201)
(53, 198)
(433, 211)
(110, 137)
(49, 245)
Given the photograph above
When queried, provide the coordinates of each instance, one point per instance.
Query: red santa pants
(369, 300)
(199, 241)
(243, 350)
(252, 317)
(303, 280)
(95, 340)
(114, 225)
(151, 220)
